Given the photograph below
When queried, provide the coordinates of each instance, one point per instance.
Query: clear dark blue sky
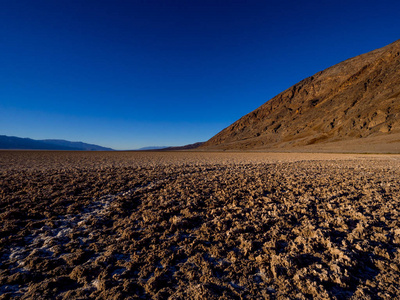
(128, 74)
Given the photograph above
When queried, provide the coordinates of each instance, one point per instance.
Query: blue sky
(129, 74)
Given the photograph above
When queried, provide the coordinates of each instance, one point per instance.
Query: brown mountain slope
(353, 106)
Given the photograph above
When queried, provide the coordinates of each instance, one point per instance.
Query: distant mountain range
(167, 148)
(353, 106)
(152, 148)
(17, 143)
(185, 147)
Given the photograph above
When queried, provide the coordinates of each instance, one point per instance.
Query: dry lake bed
(197, 225)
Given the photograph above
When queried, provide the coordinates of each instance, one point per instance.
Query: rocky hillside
(352, 106)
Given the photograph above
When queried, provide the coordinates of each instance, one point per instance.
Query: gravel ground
(195, 225)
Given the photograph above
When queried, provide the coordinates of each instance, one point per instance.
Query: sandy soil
(92, 225)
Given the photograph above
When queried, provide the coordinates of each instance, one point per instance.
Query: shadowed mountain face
(353, 106)
(17, 143)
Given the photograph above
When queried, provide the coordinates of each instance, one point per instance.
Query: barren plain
(199, 225)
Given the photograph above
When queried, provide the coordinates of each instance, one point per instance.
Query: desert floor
(195, 225)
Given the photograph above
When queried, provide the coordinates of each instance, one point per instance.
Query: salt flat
(199, 225)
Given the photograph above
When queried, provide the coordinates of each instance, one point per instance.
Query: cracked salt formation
(199, 226)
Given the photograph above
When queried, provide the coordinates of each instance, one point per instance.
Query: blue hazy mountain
(17, 143)
(174, 148)
(152, 148)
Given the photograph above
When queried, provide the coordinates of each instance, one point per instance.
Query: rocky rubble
(230, 226)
